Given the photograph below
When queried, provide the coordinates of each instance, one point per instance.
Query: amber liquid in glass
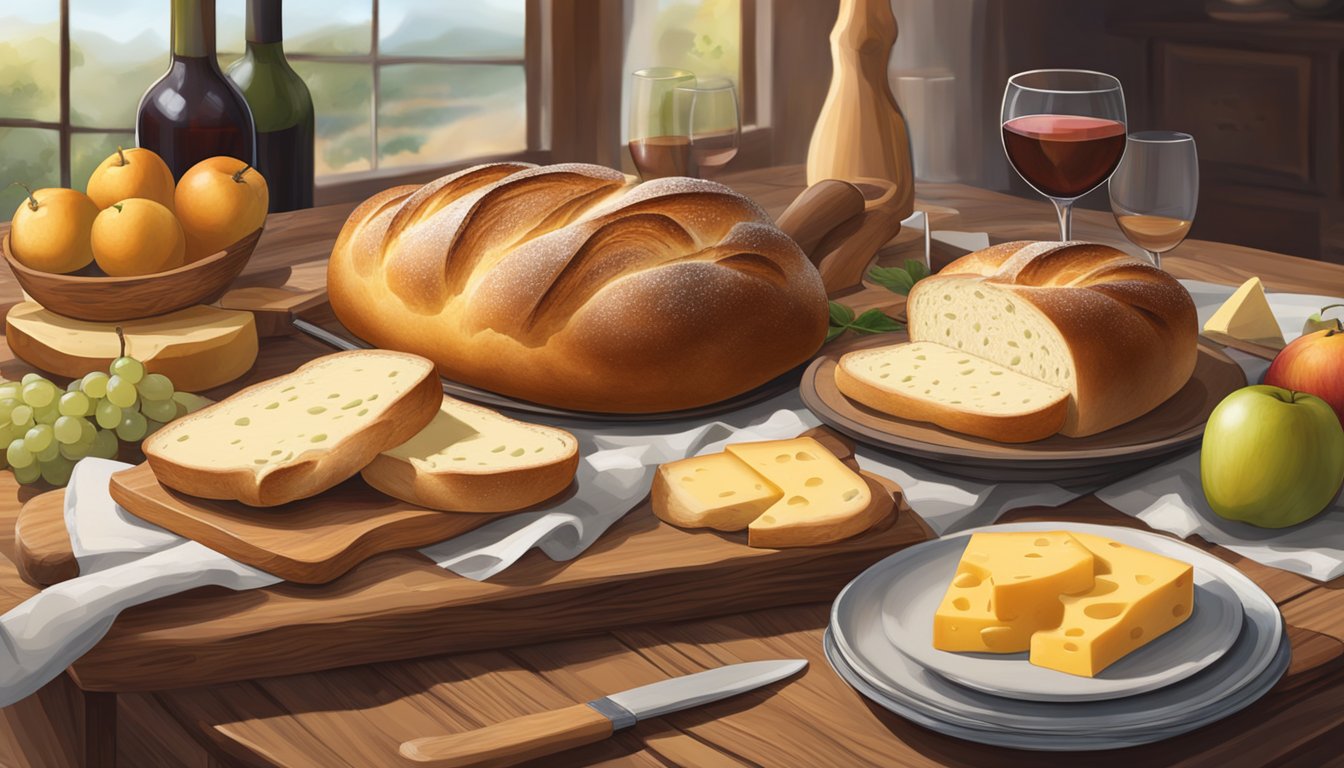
(712, 151)
(658, 157)
(1157, 234)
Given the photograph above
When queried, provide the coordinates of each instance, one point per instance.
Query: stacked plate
(1229, 653)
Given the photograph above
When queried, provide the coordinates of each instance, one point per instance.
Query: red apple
(1314, 364)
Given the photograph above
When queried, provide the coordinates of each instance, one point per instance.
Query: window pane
(230, 26)
(435, 113)
(329, 26)
(87, 150)
(464, 28)
(117, 50)
(29, 156)
(30, 56)
(702, 36)
(343, 101)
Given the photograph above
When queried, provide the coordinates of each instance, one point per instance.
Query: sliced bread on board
(297, 435)
(956, 390)
(472, 459)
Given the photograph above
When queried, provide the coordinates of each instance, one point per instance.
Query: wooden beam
(587, 65)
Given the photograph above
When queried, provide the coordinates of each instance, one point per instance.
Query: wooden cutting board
(310, 541)
(400, 605)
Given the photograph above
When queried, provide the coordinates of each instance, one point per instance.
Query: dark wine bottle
(194, 111)
(281, 107)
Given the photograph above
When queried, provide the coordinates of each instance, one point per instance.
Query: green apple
(1272, 457)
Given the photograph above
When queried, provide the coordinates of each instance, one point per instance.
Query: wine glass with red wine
(1155, 190)
(714, 123)
(1064, 133)
(660, 143)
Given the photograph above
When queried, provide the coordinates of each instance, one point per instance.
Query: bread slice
(924, 381)
(472, 459)
(299, 434)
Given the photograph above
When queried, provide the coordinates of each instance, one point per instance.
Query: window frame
(573, 64)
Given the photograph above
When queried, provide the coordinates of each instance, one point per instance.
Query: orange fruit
(50, 230)
(137, 237)
(129, 173)
(219, 201)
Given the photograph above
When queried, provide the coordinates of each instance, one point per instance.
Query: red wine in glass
(1064, 156)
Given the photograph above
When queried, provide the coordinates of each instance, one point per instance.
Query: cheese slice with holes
(1246, 316)
(822, 498)
(786, 493)
(1007, 587)
(1137, 597)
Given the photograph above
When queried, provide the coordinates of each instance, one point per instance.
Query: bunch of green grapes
(46, 430)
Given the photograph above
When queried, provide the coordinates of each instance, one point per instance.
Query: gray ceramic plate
(918, 582)
(856, 623)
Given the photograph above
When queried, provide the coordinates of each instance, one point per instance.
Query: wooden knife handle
(512, 741)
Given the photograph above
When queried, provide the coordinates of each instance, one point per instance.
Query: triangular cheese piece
(1246, 316)
(1008, 586)
(824, 500)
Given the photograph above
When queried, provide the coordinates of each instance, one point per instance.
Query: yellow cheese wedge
(1008, 586)
(1137, 597)
(823, 500)
(1246, 316)
(716, 491)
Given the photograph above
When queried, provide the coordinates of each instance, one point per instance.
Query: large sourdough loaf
(562, 286)
(297, 435)
(1117, 334)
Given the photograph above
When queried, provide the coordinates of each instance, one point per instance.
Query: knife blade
(533, 736)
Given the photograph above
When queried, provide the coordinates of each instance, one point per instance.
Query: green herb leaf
(840, 314)
(874, 321)
(833, 332)
(899, 279)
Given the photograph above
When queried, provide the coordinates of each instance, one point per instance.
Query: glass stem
(1064, 209)
(1155, 257)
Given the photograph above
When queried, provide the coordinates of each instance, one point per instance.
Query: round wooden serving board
(1174, 426)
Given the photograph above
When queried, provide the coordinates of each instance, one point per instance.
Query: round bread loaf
(561, 285)
(1119, 334)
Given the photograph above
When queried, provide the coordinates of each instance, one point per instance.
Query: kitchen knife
(533, 736)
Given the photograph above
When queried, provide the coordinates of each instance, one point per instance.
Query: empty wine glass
(1063, 132)
(715, 125)
(660, 143)
(1155, 190)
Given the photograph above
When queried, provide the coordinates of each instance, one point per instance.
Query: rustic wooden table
(357, 716)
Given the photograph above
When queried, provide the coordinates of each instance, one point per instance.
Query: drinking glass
(659, 132)
(1064, 133)
(715, 125)
(1155, 190)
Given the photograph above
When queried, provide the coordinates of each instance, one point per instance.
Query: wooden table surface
(357, 716)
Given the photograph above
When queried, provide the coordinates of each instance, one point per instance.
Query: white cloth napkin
(1169, 497)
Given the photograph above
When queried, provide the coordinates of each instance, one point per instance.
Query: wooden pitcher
(861, 132)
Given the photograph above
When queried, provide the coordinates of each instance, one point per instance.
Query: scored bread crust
(1130, 328)
(312, 471)
(483, 490)
(560, 285)
(1017, 428)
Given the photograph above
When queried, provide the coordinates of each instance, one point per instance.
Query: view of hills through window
(429, 112)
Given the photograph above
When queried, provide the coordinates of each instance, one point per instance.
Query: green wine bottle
(281, 107)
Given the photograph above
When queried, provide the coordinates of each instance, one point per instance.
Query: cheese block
(1246, 316)
(473, 459)
(1137, 597)
(716, 491)
(1007, 587)
(785, 493)
(198, 347)
(930, 382)
(823, 500)
(299, 434)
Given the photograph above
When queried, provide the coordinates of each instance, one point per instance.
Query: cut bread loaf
(956, 390)
(472, 459)
(562, 285)
(299, 434)
(785, 493)
(1114, 332)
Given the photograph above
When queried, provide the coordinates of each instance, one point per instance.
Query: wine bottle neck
(263, 21)
(194, 28)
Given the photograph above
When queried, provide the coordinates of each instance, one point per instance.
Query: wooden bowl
(112, 299)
